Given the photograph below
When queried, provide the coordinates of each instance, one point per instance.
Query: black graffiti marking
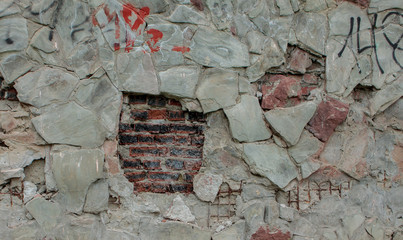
(9, 41)
(51, 35)
(394, 45)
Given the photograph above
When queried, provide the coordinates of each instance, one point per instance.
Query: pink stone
(328, 116)
(299, 61)
(278, 90)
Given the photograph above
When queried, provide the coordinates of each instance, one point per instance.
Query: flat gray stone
(136, 72)
(290, 122)
(311, 30)
(7, 8)
(272, 56)
(287, 213)
(70, 124)
(102, 97)
(217, 49)
(303, 227)
(242, 25)
(84, 59)
(206, 186)
(307, 146)
(271, 162)
(185, 14)
(7, 174)
(309, 167)
(179, 211)
(180, 81)
(221, 12)
(41, 11)
(352, 223)
(285, 7)
(45, 86)
(254, 213)
(14, 66)
(246, 120)
(172, 231)
(387, 96)
(97, 197)
(75, 170)
(13, 34)
(156, 6)
(46, 213)
(277, 28)
(29, 190)
(338, 69)
(361, 70)
(315, 5)
(210, 89)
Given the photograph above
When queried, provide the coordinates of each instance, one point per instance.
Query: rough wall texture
(201, 119)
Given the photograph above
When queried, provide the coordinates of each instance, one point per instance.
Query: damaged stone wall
(293, 111)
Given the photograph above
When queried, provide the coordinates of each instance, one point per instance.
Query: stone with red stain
(299, 61)
(328, 116)
(265, 234)
(278, 90)
(361, 3)
(206, 186)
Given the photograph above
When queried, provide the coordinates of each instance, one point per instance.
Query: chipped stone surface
(185, 14)
(206, 186)
(74, 171)
(221, 11)
(46, 213)
(45, 86)
(14, 66)
(271, 162)
(307, 146)
(217, 49)
(387, 96)
(246, 120)
(290, 122)
(70, 124)
(136, 73)
(311, 30)
(97, 197)
(180, 81)
(210, 89)
(179, 211)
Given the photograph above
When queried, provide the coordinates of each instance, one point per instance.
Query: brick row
(156, 164)
(155, 101)
(125, 139)
(163, 187)
(162, 151)
(162, 128)
(171, 115)
(152, 176)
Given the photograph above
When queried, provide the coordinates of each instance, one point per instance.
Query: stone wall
(201, 119)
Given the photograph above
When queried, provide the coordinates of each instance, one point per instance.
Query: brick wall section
(160, 146)
(8, 94)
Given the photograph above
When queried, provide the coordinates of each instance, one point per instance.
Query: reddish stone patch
(265, 234)
(181, 49)
(198, 4)
(328, 116)
(299, 61)
(361, 3)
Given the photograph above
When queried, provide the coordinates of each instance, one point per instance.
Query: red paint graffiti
(182, 49)
(134, 19)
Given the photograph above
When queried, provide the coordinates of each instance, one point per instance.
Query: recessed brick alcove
(160, 145)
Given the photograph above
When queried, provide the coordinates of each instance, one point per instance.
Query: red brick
(127, 139)
(182, 140)
(186, 152)
(188, 177)
(176, 116)
(145, 139)
(152, 165)
(174, 164)
(132, 164)
(163, 176)
(299, 61)
(186, 128)
(152, 128)
(137, 99)
(125, 127)
(161, 139)
(140, 115)
(327, 117)
(196, 116)
(148, 151)
(157, 101)
(157, 114)
(174, 102)
(136, 176)
(182, 188)
(197, 141)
